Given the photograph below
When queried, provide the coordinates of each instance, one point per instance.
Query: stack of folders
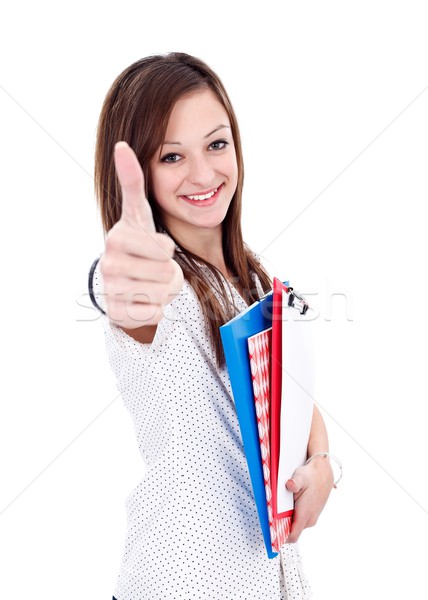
(270, 362)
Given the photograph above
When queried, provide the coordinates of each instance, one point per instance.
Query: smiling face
(194, 174)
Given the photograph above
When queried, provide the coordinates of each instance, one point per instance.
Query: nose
(201, 173)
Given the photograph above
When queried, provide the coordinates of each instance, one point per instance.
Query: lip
(208, 201)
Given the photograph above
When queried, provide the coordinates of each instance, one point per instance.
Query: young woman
(169, 177)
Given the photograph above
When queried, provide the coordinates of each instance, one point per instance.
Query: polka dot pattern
(193, 529)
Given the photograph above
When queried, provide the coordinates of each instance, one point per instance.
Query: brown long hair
(137, 110)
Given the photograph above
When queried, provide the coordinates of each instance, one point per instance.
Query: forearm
(318, 438)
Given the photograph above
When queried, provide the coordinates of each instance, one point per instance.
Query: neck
(207, 244)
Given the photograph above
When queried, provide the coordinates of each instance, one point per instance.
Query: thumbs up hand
(139, 272)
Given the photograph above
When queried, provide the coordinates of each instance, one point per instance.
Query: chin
(212, 222)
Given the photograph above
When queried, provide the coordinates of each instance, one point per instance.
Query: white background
(332, 100)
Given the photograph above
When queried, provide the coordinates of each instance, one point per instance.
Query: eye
(171, 158)
(218, 145)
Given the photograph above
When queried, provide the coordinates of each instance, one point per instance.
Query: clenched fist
(139, 272)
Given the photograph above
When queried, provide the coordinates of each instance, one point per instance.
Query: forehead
(200, 112)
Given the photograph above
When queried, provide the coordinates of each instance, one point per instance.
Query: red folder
(276, 377)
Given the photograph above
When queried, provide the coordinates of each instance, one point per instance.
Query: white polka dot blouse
(193, 530)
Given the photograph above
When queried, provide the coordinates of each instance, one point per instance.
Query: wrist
(324, 460)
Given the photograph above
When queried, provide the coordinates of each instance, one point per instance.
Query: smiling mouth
(199, 197)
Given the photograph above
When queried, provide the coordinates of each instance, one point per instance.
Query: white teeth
(204, 197)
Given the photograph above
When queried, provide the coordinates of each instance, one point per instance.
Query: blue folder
(234, 336)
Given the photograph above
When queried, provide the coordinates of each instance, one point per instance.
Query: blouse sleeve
(121, 348)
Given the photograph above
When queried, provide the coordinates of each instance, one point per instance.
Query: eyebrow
(205, 137)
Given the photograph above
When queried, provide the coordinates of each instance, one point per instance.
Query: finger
(136, 270)
(298, 481)
(126, 239)
(147, 293)
(297, 527)
(119, 269)
(292, 486)
(134, 315)
(135, 207)
(298, 524)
